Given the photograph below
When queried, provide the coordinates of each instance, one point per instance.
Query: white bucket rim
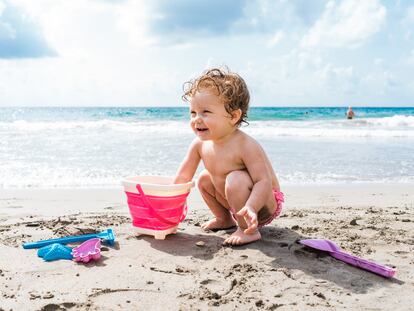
(131, 181)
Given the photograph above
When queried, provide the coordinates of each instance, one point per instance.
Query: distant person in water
(350, 114)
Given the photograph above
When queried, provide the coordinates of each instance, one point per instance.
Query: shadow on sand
(286, 255)
(281, 245)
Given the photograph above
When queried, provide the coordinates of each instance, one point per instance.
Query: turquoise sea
(96, 147)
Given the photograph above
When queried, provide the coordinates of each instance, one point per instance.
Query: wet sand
(192, 270)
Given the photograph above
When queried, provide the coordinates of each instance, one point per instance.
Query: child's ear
(235, 116)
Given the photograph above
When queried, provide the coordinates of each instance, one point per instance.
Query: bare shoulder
(196, 144)
(246, 141)
(250, 149)
(195, 147)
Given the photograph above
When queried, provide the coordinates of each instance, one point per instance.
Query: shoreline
(375, 222)
(59, 201)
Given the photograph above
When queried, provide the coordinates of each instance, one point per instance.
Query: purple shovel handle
(364, 264)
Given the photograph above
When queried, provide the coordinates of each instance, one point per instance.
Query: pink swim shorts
(280, 198)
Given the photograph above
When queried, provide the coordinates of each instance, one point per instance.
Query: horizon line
(52, 106)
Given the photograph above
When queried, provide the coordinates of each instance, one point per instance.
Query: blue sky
(139, 53)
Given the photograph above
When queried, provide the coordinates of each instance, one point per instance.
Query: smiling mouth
(201, 129)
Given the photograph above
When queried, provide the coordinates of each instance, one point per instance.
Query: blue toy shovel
(108, 236)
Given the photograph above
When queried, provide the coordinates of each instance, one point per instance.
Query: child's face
(209, 118)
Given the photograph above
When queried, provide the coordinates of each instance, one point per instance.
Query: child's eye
(206, 111)
(192, 113)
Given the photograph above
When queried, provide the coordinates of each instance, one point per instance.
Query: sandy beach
(178, 273)
(95, 93)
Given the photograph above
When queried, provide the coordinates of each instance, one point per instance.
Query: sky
(139, 53)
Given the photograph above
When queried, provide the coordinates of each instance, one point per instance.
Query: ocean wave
(312, 178)
(395, 126)
(327, 133)
(105, 124)
(397, 121)
(110, 181)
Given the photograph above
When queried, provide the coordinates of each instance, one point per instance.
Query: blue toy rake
(107, 236)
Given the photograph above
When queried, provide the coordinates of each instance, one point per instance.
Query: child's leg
(238, 188)
(223, 218)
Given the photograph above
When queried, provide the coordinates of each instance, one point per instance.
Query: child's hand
(250, 216)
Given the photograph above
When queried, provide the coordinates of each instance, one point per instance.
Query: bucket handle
(148, 204)
(184, 214)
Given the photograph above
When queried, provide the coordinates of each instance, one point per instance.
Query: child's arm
(257, 165)
(190, 163)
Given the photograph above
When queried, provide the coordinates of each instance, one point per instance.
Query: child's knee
(204, 181)
(238, 181)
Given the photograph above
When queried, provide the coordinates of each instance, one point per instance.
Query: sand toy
(55, 251)
(88, 250)
(336, 252)
(107, 236)
(156, 204)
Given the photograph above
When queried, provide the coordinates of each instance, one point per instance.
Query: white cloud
(110, 54)
(384, 84)
(347, 24)
(410, 58)
(275, 39)
(330, 72)
(309, 60)
(301, 77)
(76, 27)
(133, 19)
(98, 63)
(409, 17)
(20, 36)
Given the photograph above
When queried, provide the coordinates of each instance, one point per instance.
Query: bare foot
(240, 238)
(217, 224)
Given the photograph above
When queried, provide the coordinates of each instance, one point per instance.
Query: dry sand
(141, 273)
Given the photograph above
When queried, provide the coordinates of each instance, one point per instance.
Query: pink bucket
(164, 209)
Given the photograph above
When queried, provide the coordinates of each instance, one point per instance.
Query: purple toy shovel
(336, 252)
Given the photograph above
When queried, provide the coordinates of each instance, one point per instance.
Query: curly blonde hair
(229, 86)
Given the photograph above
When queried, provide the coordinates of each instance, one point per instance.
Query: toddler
(238, 183)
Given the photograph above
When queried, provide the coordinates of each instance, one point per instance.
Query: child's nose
(197, 118)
